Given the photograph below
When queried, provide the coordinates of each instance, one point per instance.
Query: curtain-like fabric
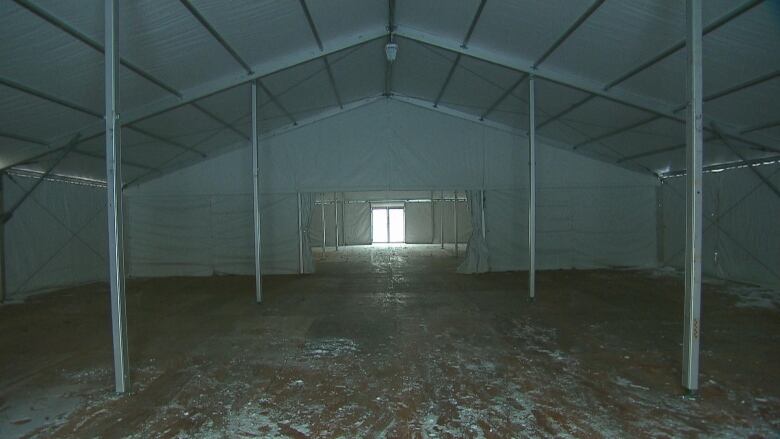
(477, 254)
(307, 207)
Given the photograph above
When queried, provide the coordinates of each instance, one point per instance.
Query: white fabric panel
(477, 258)
(740, 227)
(307, 208)
(591, 214)
(201, 235)
(418, 223)
(357, 223)
(56, 238)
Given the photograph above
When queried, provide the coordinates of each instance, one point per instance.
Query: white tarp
(590, 214)
(57, 236)
(740, 229)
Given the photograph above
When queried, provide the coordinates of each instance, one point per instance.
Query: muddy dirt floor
(390, 342)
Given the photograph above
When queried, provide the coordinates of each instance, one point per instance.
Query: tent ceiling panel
(231, 105)
(621, 35)
(476, 84)
(564, 132)
(525, 28)
(361, 73)
(744, 49)
(21, 113)
(167, 41)
(302, 87)
(452, 21)
(256, 30)
(553, 98)
(752, 106)
(185, 125)
(15, 151)
(599, 116)
(664, 81)
(659, 134)
(333, 20)
(420, 70)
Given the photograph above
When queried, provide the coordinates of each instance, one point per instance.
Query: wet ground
(390, 342)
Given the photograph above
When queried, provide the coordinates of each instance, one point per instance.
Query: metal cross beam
(70, 30)
(6, 216)
(736, 88)
(332, 80)
(219, 120)
(655, 151)
(568, 110)
(317, 38)
(49, 97)
(276, 102)
(617, 131)
(447, 80)
(729, 165)
(742, 86)
(473, 24)
(205, 23)
(720, 21)
(761, 126)
(227, 82)
(503, 96)
(82, 109)
(595, 89)
(310, 20)
(165, 140)
(22, 138)
(577, 23)
(752, 167)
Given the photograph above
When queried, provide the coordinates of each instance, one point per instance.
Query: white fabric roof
(187, 98)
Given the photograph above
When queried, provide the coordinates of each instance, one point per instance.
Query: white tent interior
(450, 115)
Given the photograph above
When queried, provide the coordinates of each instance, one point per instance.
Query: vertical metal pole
(441, 219)
(256, 193)
(300, 237)
(693, 211)
(482, 210)
(455, 220)
(2, 243)
(116, 272)
(387, 216)
(531, 189)
(324, 229)
(336, 208)
(433, 221)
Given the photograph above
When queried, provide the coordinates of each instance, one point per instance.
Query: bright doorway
(387, 225)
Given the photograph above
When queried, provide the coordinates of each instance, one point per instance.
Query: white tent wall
(56, 238)
(741, 217)
(388, 145)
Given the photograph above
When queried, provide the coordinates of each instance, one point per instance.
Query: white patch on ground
(754, 297)
(330, 347)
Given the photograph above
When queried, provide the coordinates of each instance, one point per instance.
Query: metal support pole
(482, 209)
(441, 220)
(324, 229)
(531, 190)
(300, 237)
(693, 211)
(336, 207)
(2, 244)
(256, 193)
(455, 220)
(116, 273)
